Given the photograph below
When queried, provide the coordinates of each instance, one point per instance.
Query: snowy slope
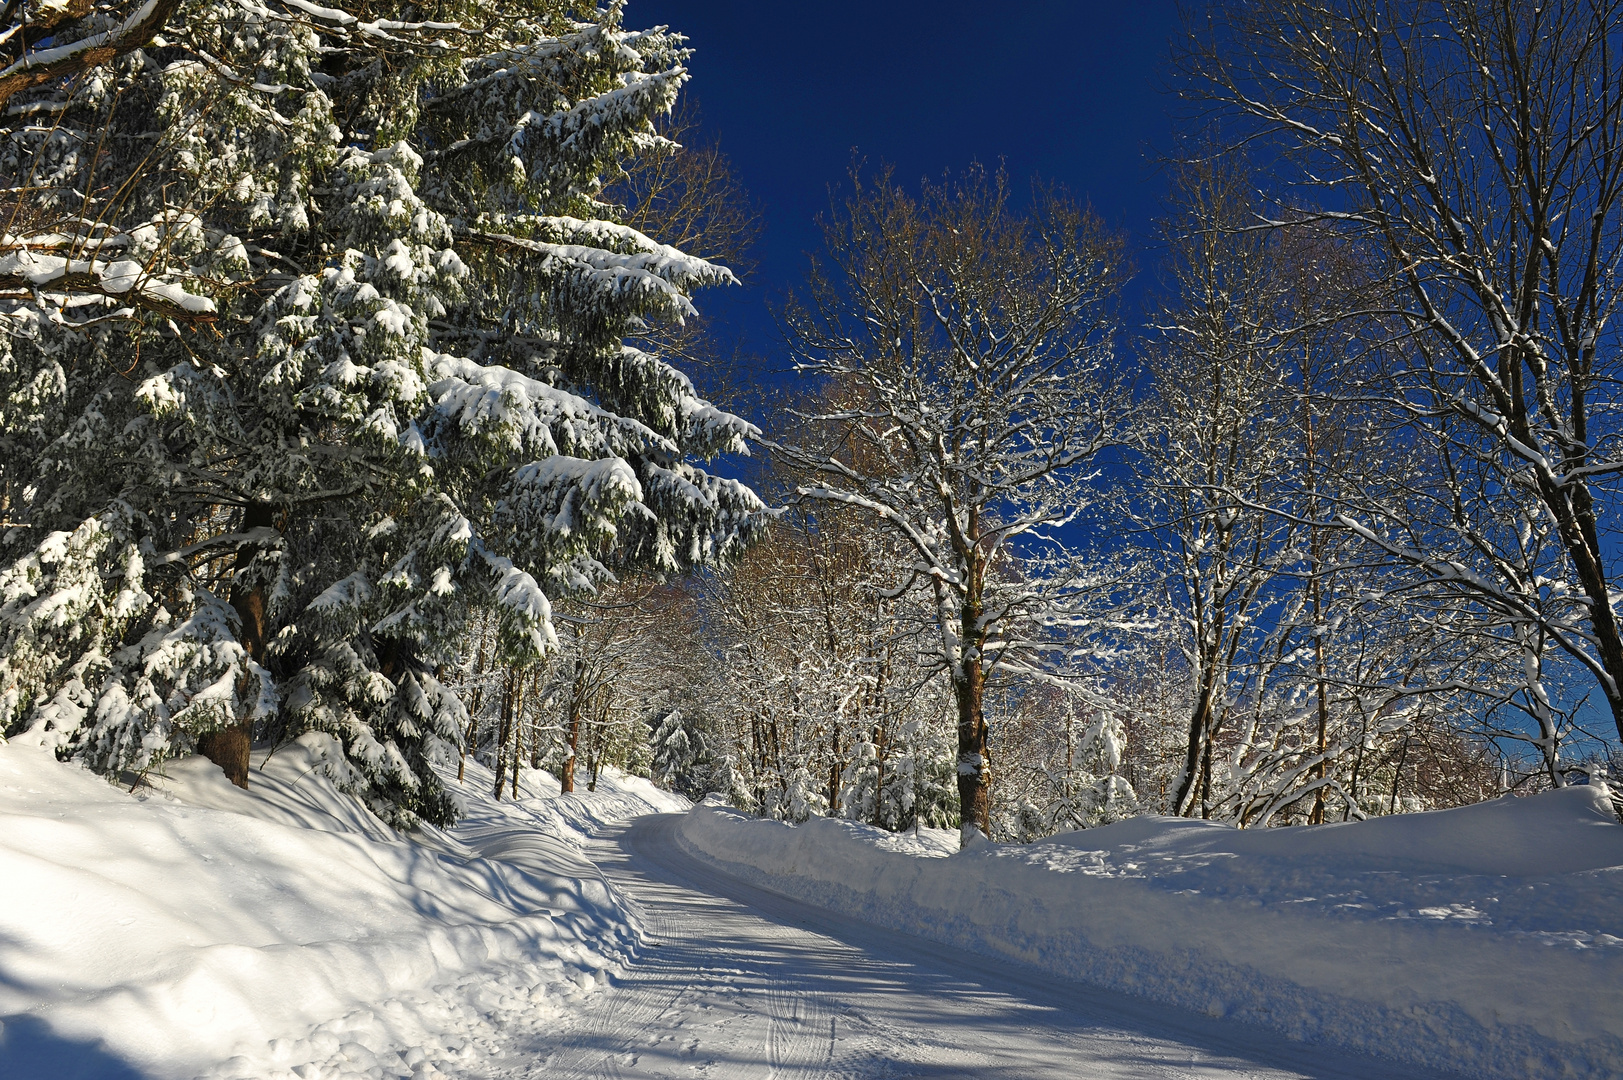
(1486, 940)
(199, 930)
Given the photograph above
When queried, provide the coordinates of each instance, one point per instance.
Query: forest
(357, 380)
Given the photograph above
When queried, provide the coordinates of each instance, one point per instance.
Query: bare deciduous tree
(1306, 660)
(967, 350)
(1479, 148)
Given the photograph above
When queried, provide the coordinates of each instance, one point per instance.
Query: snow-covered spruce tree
(674, 750)
(316, 344)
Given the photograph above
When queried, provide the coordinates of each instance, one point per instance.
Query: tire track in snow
(677, 1011)
(746, 983)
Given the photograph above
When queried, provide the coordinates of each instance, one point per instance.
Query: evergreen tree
(674, 751)
(317, 343)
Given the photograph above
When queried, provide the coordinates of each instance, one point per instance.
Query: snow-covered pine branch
(322, 354)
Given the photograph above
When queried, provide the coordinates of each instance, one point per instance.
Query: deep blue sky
(1070, 89)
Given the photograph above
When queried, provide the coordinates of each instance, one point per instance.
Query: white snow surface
(197, 930)
(1486, 940)
(739, 983)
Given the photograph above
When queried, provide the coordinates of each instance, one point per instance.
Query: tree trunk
(1397, 775)
(1578, 530)
(473, 705)
(1316, 586)
(518, 730)
(228, 747)
(467, 741)
(1320, 771)
(572, 730)
(1206, 782)
(834, 769)
(1200, 728)
(969, 687)
(974, 798)
(881, 752)
(502, 735)
(594, 748)
(535, 733)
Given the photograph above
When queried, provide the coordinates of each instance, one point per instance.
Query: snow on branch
(485, 399)
(657, 279)
(25, 268)
(46, 65)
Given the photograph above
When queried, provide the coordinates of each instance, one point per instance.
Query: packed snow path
(739, 982)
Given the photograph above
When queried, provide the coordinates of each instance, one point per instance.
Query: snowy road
(746, 983)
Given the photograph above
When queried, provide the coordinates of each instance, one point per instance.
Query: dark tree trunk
(974, 799)
(969, 687)
(834, 768)
(467, 741)
(518, 727)
(1206, 782)
(535, 736)
(518, 740)
(572, 737)
(228, 747)
(473, 708)
(1183, 800)
(502, 735)
(881, 753)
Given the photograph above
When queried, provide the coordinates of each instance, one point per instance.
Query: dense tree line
(1287, 548)
(337, 396)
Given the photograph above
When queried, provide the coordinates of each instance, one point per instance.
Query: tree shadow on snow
(30, 1050)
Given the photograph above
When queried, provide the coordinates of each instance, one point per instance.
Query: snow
(42, 57)
(115, 278)
(195, 929)
(740, 983)
(483, 399)
(1487, 940)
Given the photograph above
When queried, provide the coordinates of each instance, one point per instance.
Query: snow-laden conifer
(317, 341)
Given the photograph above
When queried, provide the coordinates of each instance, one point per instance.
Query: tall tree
(967, 351)
(1216, 452)
(1476, 146)
(1304, 660)
(316, 344)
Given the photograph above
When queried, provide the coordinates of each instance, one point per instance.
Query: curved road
(744, 983)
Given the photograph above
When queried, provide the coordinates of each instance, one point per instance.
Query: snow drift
(203, 930)
(1487, 940)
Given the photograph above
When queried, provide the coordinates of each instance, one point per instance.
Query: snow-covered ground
(200, 930)
(1486, 940)
(741, 983)
(195, 930)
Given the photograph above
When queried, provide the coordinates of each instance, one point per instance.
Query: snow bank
(201, 930)
(1487, 940)
(542, 807)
